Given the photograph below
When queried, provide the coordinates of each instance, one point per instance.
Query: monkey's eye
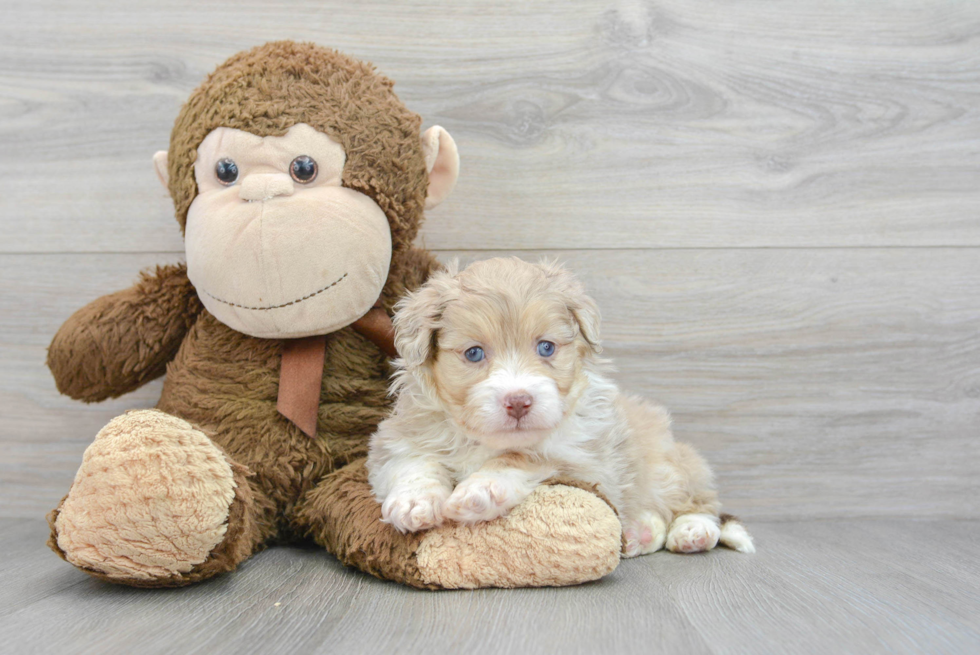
(303, 169)
(226, 171)
(474, 354)
(546, 348)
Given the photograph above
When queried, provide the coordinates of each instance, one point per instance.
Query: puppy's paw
(480, 498)
(411, 511)
(644, 535)
(693, 533)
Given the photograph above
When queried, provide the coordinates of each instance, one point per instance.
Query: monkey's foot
(150, 504)
(559, 535)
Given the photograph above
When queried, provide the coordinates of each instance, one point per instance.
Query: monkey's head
(297, 177)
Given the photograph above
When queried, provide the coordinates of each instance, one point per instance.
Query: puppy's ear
(580, 304)
(417, 318)
(586, 314)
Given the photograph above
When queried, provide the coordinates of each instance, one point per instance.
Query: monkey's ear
(160, 166)
(442, 163)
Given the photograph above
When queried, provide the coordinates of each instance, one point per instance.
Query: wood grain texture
(813, 587)
(819, 383)
(599, 125)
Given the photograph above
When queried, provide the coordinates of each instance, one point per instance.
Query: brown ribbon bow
(301, 373)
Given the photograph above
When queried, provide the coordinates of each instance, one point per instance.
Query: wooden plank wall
(777, 205)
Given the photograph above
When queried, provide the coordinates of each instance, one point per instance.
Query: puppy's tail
(734, 535)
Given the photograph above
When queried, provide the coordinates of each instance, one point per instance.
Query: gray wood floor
(777, 206)
(858, 586)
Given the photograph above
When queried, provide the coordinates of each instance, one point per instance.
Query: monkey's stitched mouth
(285, 304)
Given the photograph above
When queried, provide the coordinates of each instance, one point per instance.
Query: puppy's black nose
(518, 404)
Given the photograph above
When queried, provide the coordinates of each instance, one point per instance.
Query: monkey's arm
(120, 342)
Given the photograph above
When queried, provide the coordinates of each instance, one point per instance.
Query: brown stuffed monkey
(299, 181)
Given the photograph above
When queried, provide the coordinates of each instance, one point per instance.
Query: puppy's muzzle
(518, 404)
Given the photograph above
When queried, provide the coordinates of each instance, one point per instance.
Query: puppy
(499, 388)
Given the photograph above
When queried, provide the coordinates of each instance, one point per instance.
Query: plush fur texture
(278, 258)
(583, 544)
(565, 534)
(121, 341)
(500, 388)
(268, 89)
(117, 492)
(218, 411)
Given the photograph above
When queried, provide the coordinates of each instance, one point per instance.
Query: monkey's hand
(120, 342)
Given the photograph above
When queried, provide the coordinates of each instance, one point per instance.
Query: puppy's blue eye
(546, 348)
(474, 354)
